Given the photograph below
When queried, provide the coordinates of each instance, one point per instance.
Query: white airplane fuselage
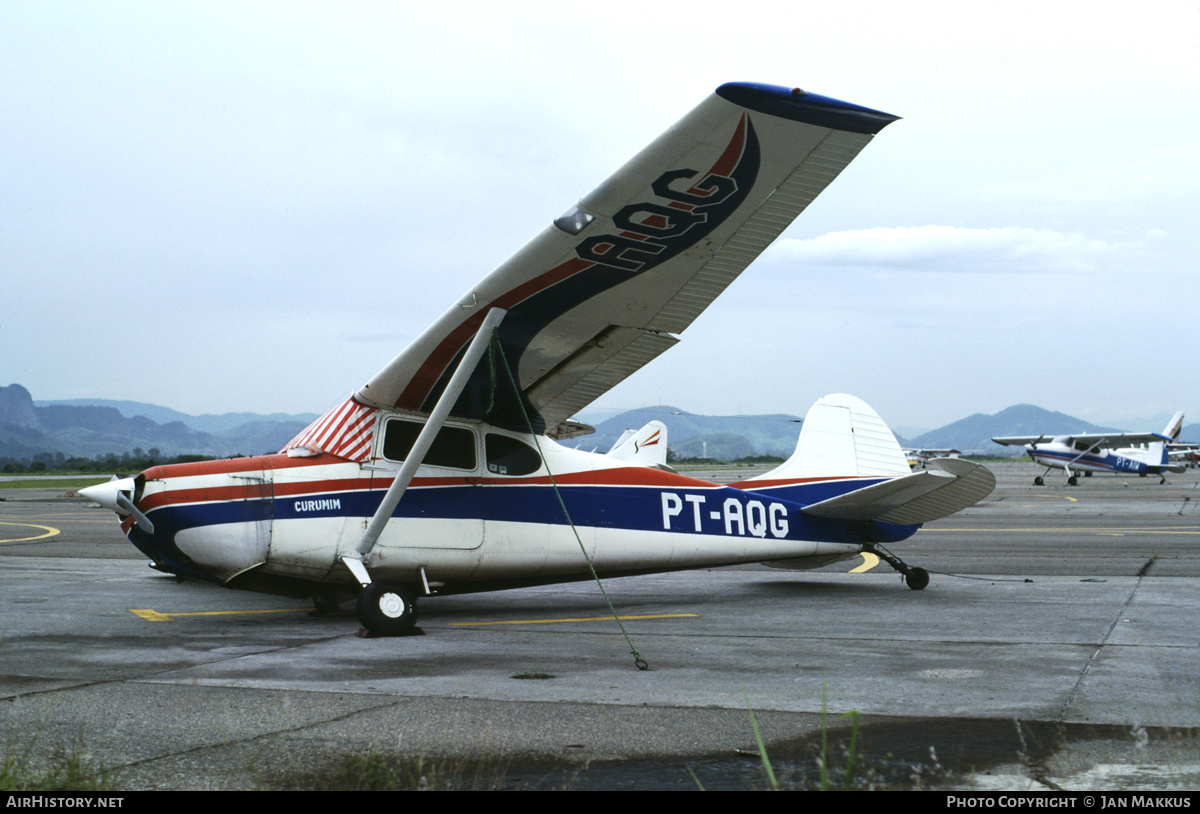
(286, 522)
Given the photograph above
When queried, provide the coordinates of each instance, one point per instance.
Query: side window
(508, 456)
(454, 447)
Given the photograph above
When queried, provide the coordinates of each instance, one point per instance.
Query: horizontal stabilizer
(947, 486)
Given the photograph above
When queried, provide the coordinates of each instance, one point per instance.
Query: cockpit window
(508, 456)
(454, 447)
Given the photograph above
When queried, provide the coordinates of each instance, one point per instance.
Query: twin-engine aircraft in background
(444, 474)
(1102, 452)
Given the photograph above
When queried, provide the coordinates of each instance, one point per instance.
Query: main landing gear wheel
(1073, 481)
(1038, 481)
(387, 608)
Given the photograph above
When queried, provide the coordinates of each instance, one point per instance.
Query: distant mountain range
(89, 428)
(725, 438)
(732, 437)
(95, 427)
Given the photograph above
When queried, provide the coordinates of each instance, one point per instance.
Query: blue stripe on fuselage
(1114, 463)
(720, 511)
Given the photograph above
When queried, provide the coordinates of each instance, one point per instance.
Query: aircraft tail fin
(1174, 426)
(647, 446)
(842, 437)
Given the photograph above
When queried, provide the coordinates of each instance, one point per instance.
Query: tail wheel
(387, 608)
(916, 578)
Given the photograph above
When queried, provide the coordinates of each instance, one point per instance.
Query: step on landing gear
(915, 578)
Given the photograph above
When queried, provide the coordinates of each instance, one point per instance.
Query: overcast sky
(251, 206)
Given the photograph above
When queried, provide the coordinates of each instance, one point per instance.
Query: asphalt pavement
(1056, 646)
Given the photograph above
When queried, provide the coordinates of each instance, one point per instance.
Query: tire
(387, 608)
(916, 578)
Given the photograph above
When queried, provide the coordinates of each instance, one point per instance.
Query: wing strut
(421, 446)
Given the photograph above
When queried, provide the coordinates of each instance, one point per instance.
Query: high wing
(605, 288)
(1022, 440)
(1090, 439)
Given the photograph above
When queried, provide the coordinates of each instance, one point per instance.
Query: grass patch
(66, 769)
(375, 771)
(52, 483)
(848, 771)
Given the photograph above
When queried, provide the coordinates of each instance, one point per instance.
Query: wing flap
(595, 369)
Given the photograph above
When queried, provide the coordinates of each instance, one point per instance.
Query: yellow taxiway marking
(1057, 497)
(582, 619)
(47, 531)
(151, 615)
(869, 562)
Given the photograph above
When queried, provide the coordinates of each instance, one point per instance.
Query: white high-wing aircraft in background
(442, 474)
(1100, 452)
(1188, 453)
(922, 457)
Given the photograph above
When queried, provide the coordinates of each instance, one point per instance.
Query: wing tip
(802, 106)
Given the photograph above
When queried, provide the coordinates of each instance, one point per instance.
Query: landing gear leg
(915, 578)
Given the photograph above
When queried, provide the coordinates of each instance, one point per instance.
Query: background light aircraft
(443, 474)
(922, 457)
(647, 446)
(1098, 452)
(1188, 453)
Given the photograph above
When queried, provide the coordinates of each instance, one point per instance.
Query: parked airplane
(442, 473)
(922, 457)
(1188, 453)
(1098, 452)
